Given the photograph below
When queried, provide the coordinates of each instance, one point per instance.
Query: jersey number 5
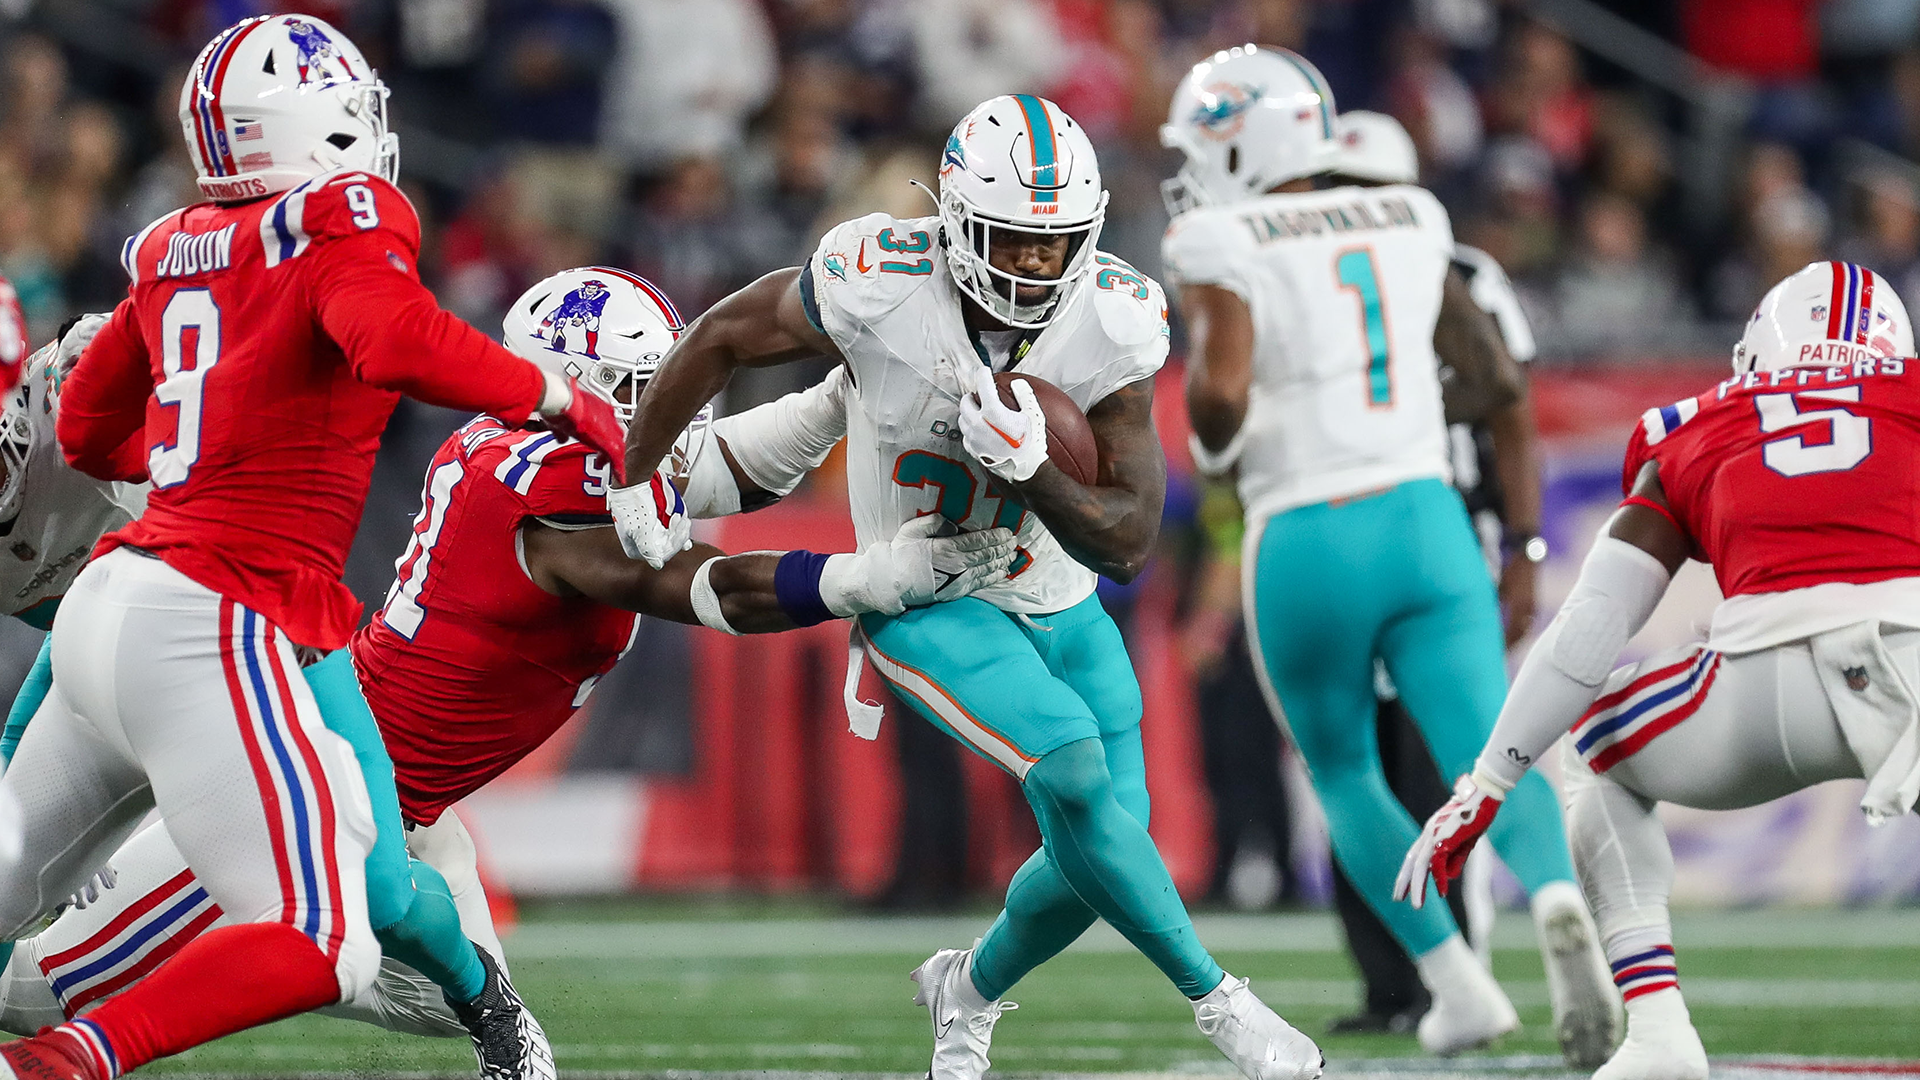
(1355, 271)
(1849, 441)
(189, 335)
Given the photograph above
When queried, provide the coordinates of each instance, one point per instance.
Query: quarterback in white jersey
(1030, 673)
(1319, 314)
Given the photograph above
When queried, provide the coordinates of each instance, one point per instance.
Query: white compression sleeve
(706, 602)
(711, 489)
(778, 443)
(1618, 589)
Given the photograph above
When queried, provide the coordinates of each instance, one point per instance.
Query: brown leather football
(1070, 442)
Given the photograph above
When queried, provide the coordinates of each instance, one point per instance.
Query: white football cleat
(961, 1031)
(1586, 1007)
(1260, 1044)
(1661, 1042)
(1469, 1008)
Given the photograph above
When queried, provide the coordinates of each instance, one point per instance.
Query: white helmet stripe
(1319, 83)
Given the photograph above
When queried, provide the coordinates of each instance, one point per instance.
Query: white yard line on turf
(1307, 932)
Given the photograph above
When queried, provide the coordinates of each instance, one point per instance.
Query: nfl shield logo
(1819, 312)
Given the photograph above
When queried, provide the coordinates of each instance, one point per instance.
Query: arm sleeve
(1618, 588)
(778, 443)
(398, 338)
(103, 403)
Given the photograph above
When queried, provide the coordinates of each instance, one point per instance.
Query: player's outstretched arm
(752, 459)
(762, 325)
(1485, 376)
(1620, 584)
(1109, 527)
(764, 592)
(1219, 372)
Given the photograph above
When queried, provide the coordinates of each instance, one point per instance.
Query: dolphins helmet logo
(1222, 111)
(316, 50)
(580, 309)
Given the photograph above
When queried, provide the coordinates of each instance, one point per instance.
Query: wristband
(706, 602)
(796, 585)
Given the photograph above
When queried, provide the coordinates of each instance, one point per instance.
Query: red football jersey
(262, 347)
(469, 666)
(1786, 479)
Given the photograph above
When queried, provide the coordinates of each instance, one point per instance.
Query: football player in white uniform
(1029, 673)
(1315, 316)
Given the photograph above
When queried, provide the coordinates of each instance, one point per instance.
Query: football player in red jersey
(1798, 479)
(512, 599)
(13, 336)
(267, 335)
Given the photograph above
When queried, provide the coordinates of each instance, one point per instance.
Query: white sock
(1662, 1008)
(1451, 970)
(970, 994)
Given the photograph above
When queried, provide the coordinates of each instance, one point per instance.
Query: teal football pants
(408, 902)
(1399, 577)
(1053, 700)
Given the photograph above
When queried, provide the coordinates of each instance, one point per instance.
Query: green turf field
(655, 988)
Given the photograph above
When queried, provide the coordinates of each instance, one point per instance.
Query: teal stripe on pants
(1396, 576)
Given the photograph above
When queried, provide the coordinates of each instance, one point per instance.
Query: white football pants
(167, 695)
(91, 954)
(1762, 729)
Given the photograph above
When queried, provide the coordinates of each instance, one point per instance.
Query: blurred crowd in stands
(1641, 208)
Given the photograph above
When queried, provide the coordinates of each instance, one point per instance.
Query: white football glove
(916, 568)
(103, 879)
(1012, 444)
(78, 336)
(1448, 839)
(651, 520)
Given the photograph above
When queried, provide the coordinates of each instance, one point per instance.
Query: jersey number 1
(1356, 271)
(189, 330)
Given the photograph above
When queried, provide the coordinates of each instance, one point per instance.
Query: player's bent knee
(1074, 777)
(358, 964)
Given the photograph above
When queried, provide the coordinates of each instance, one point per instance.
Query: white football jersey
(1344, 287)
(63, 511)
(880, 288)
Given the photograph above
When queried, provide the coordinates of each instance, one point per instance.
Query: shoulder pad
(338, 204)
(1427, 205)
(1200, 246)
(866, 267)
(130, 251)
(1131, 306)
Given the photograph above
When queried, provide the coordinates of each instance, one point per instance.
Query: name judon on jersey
(1344, 287)
(63, 514)
(882, 292)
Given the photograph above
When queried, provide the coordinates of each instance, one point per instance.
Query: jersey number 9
(189, 326)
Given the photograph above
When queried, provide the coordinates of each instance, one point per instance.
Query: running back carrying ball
(1070, 442)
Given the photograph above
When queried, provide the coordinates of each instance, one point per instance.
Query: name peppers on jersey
(1793, 478)
(879, 287)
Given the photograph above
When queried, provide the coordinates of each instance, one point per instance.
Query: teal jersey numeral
(1356, 272)
(957, 486)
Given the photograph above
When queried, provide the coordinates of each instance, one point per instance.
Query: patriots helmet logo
(1222, 111)
(580, 309)
(315, 49)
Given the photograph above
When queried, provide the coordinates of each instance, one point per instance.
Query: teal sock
(1529, 835)
(1108, 859)
(429, 934)
(1043, 916)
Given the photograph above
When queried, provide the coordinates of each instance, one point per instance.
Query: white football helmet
(1017, 163)
(278, 99)
(17, 436)
(1247, 119)
(1373, 146)
(1828, 313)
(607, 328)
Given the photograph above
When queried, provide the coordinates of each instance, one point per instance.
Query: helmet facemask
(16, 446)
(969, 236)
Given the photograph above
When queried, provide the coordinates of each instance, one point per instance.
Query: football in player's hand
(1070, 442)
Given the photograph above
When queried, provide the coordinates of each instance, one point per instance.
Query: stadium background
(1643, 169)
